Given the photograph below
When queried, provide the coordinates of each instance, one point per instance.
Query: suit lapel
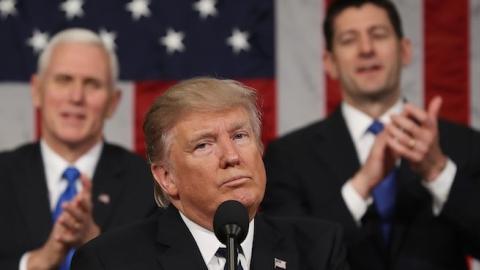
(336, 147)
(268, 246)
(32, 194)
(177, 248)
(107, 184)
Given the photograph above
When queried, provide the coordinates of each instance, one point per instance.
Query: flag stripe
(475, 63)
(412, 85)
(298, 63)
(119, 129)
(16, 114)
(446, 56)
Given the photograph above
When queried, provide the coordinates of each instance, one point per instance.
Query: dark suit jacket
(121, 178)
(307, 168)
(164, 242)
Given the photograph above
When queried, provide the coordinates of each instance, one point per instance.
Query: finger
(76, 209)
(68, 222)
(406, 125)
(434, 109)
(412, 154)
(415, 113)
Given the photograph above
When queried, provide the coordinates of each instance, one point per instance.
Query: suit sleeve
(461, 207)
(86, 259)
(283, 194)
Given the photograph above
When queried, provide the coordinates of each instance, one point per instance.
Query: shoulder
(125, 238)
(14, 158)
(114, 150)
(307, 228)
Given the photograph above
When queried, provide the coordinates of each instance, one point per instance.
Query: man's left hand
(414, 136)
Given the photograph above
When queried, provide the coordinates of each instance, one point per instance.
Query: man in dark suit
(70, 186)
(407, 195)
(203, 141)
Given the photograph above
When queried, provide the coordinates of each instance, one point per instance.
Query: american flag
(273, 46)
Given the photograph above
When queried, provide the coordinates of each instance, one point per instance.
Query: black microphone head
(231, 219)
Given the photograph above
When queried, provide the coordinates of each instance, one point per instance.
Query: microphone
(230, 225)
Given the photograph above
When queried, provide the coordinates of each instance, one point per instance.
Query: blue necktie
(71, 174)
(384, 193)
(222, 252)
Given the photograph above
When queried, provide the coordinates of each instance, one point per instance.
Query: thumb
(434, 107)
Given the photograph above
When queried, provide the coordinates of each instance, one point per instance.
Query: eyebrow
(212, 134)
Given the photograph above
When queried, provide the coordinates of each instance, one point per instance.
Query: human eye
(93, 84)
(380, 33)
(240, 136)
(346, 39)
(62, 79)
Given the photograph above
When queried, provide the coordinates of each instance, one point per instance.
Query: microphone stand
(232, 253)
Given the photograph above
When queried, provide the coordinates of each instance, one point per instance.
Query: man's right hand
(379, 163)
(51, 254)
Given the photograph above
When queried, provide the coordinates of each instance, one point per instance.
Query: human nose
(77, 92)
(229, 154)
(365, 45)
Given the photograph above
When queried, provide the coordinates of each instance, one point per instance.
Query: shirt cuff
(441, 186)
(23, 261)
(355, 202)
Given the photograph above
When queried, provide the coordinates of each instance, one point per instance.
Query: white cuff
(355, 202)
(23, 261)
(440, 187)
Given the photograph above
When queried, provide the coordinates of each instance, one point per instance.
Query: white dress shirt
(208, 245)
(357, 124)
(54, 166)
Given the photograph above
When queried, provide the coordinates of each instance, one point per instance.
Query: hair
(340, 5)
(201, 94)
(78, 35)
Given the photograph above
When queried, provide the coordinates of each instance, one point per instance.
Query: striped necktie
(71, 174)
(384, 193)
(222, 253)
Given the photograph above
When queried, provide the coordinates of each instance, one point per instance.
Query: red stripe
(333, 91)
(38, 124)
(147, 91)
(145, 94)
(447, 56)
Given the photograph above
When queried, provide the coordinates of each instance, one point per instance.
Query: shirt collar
(208, 243)
(55, 164)
(358, 122)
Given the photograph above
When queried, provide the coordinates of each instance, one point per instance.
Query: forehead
(361, 18)
(79, 58)
(194, 123)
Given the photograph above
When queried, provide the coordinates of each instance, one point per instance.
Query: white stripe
(121, 127)
(475, 64)
(299, 72)
(411, 13)
(16, 115)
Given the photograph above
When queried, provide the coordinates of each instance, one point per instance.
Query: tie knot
(376, 127)
(222, 252)
(71, 174)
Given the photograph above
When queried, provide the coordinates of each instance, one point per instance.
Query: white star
(139, 8)
(38, 41)
(7, 7)
(108, 38)
(72, 8)
(205, 8)
(239, 41)
(173, 41)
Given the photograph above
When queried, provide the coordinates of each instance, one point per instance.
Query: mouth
(69, 116)
(368, 69)
(236, 181)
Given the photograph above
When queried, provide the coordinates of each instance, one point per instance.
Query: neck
(373, 107)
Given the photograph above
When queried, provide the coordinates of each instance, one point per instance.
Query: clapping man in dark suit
(404, 184)
(203, 142)
(60, 192)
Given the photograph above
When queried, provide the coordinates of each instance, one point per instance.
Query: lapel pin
(279, 264)
(104, 198)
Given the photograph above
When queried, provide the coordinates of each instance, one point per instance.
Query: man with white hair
(69, 187)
